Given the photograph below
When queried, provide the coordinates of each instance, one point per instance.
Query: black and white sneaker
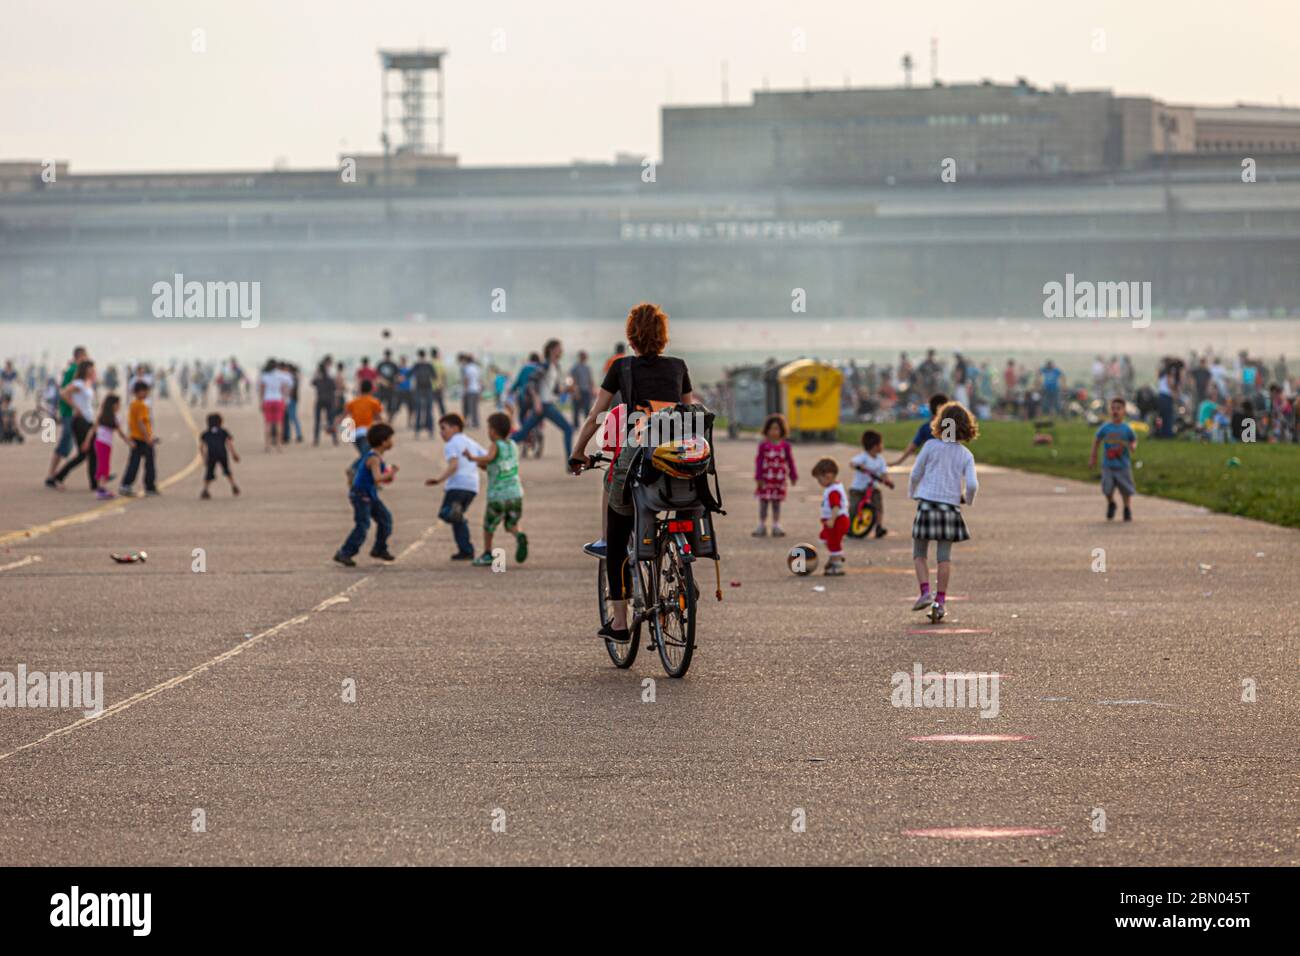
(596, 548)
(611, 633)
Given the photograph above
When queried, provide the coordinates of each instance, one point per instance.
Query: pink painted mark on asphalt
(971, 738)
(983, 833)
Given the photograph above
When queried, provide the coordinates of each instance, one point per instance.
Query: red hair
(647, 328)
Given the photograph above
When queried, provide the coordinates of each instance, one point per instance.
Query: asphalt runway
(489, 726)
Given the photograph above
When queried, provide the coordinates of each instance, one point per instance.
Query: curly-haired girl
(936, 486)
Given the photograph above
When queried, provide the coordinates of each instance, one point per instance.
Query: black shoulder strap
(625, 382)
(710, 498)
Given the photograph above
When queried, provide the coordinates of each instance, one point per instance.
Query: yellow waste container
(810, 393)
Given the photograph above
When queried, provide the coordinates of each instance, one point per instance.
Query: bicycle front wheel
(621, 654)
(673, 620)
(864, 522)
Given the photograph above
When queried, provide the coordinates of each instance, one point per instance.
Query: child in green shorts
(505, 493)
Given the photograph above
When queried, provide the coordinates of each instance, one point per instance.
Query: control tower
(419, 97)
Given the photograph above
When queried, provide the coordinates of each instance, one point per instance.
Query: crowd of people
(1203, 393)
(1245, 400)
(408, 389)
(379, 394)
(362, 407)
(81, 410)
(92, 408)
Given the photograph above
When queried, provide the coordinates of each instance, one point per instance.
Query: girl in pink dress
(773, 465)
(102, 436)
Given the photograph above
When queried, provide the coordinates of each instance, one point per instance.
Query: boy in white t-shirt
(869, 468)
(461, 477)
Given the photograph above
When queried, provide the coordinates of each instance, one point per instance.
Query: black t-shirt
(655, 378)
(324, 385)
(389, 370)
(214, 439)
(422, 374)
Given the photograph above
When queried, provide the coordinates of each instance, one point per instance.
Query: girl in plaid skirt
(936, 486)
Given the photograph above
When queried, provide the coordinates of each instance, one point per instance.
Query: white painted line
(341, 598)
(157, 689)
(418, 542)
(30, 559)
(1129, 703)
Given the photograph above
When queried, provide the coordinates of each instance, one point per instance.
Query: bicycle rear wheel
(31, 421)
(621, 654)
(674, 595)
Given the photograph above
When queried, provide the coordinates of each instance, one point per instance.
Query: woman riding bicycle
(656, 378)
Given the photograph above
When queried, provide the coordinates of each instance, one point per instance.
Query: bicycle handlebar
(587, 463)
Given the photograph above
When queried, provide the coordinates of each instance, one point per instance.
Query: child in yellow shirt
(143, 440)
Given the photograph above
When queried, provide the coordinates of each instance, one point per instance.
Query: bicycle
(33, 420)
(664, 594)
(533, 443)
(866, 518)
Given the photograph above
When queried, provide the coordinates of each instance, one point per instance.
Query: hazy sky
(114, 84)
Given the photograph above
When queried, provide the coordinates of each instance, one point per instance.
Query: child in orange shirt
(364, 410)
(143, 440)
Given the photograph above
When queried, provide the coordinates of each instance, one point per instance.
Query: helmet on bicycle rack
(687, 458)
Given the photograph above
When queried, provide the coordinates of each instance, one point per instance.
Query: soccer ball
(802, 559)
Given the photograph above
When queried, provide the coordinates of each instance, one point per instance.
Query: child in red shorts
(835, 513)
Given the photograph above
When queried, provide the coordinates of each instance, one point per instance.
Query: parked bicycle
(33, 420)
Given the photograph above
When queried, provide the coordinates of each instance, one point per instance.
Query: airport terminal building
(1015, 133)
(840, 193)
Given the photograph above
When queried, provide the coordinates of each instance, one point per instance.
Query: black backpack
(690, 492)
